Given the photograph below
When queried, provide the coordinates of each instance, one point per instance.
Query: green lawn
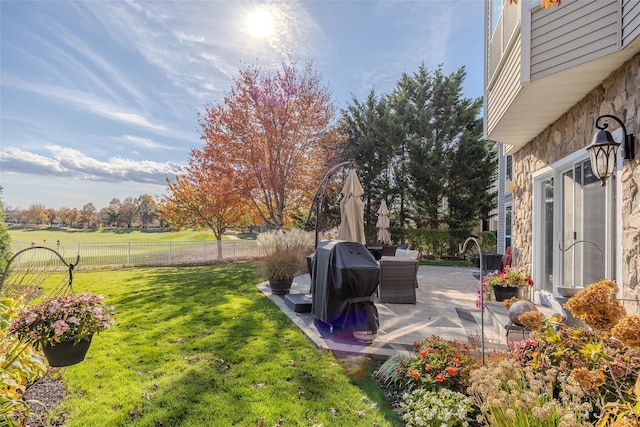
(50, 234)
(201, 346)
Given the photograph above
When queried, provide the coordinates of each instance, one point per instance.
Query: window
(508, 168)
(507, 226)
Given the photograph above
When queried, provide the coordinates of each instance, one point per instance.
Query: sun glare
(260, 22)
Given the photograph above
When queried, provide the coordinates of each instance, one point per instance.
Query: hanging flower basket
(502, 293)
(66, 353)
(63, 325)
(506, 284)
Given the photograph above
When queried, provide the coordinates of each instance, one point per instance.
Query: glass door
(587, 225)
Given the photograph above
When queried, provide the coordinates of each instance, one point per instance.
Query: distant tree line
(139, 211)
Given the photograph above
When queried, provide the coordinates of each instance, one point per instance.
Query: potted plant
(285, 256)
(506, 283)
(63, 327)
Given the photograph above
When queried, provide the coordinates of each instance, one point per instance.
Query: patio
(445, 306)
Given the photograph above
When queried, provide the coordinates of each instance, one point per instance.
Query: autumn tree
(204, 197)
(88, 214)
(69, 216)
(36, 214)
(128, 211)
(276, 132)
(112, 212)
(147, 210)
(52, 215)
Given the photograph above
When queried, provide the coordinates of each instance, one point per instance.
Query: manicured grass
(201, 346)
(50, 234)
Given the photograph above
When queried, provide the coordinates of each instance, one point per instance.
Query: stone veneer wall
(619, 95)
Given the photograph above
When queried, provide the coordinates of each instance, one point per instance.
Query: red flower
(457, 362)
(451, 371)
(427, 367)
(423, 353)
(412, 373)
(439, 378)
(416, 344)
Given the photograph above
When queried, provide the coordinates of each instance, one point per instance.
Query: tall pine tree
(421, 149)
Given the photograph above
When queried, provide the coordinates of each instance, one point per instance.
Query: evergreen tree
(373, 136)
(5, 240)
(421, 150)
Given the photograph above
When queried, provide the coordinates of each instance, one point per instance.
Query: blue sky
(100, 99)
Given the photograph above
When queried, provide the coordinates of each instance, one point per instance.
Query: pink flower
(32, 317)
(60, 327)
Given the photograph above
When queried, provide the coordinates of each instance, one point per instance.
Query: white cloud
(71, 163)
(147, 143)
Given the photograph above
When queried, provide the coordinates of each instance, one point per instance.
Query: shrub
(435, 364)
(509, 395)
(19, 366)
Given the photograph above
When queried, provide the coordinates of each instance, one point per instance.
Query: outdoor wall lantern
(604, 148)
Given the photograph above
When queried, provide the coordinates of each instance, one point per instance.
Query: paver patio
(445, 307)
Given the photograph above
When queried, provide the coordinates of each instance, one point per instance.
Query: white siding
(505, 87)
(573, 34)
(630, 21)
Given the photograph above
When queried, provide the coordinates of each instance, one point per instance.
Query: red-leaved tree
(275, 134)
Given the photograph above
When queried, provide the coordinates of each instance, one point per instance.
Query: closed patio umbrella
(383, 224)
(352, 210)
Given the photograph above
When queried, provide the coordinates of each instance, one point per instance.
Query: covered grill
(344, 279)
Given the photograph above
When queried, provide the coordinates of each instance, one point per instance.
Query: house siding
(618, 95)
(505, 88)
(630, 21)
(573, 34)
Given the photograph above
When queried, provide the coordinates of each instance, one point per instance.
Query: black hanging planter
(67, 353)
(505, 292)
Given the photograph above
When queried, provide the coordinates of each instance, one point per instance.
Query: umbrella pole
(318, 198)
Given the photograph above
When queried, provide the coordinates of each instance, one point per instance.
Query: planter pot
(365, 337)
(505, 292)
(567, 291)
(66, 353)
(280, 287)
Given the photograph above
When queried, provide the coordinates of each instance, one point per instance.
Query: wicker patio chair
(398, 281)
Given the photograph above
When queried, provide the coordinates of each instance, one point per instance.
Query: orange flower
(628, 331)
(439, 378)
(457, 362)
(427, 367)
(451, 371)
(413, 373)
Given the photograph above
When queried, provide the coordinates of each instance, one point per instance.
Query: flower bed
(559, 376)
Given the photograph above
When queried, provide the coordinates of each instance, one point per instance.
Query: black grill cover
(344, 280)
